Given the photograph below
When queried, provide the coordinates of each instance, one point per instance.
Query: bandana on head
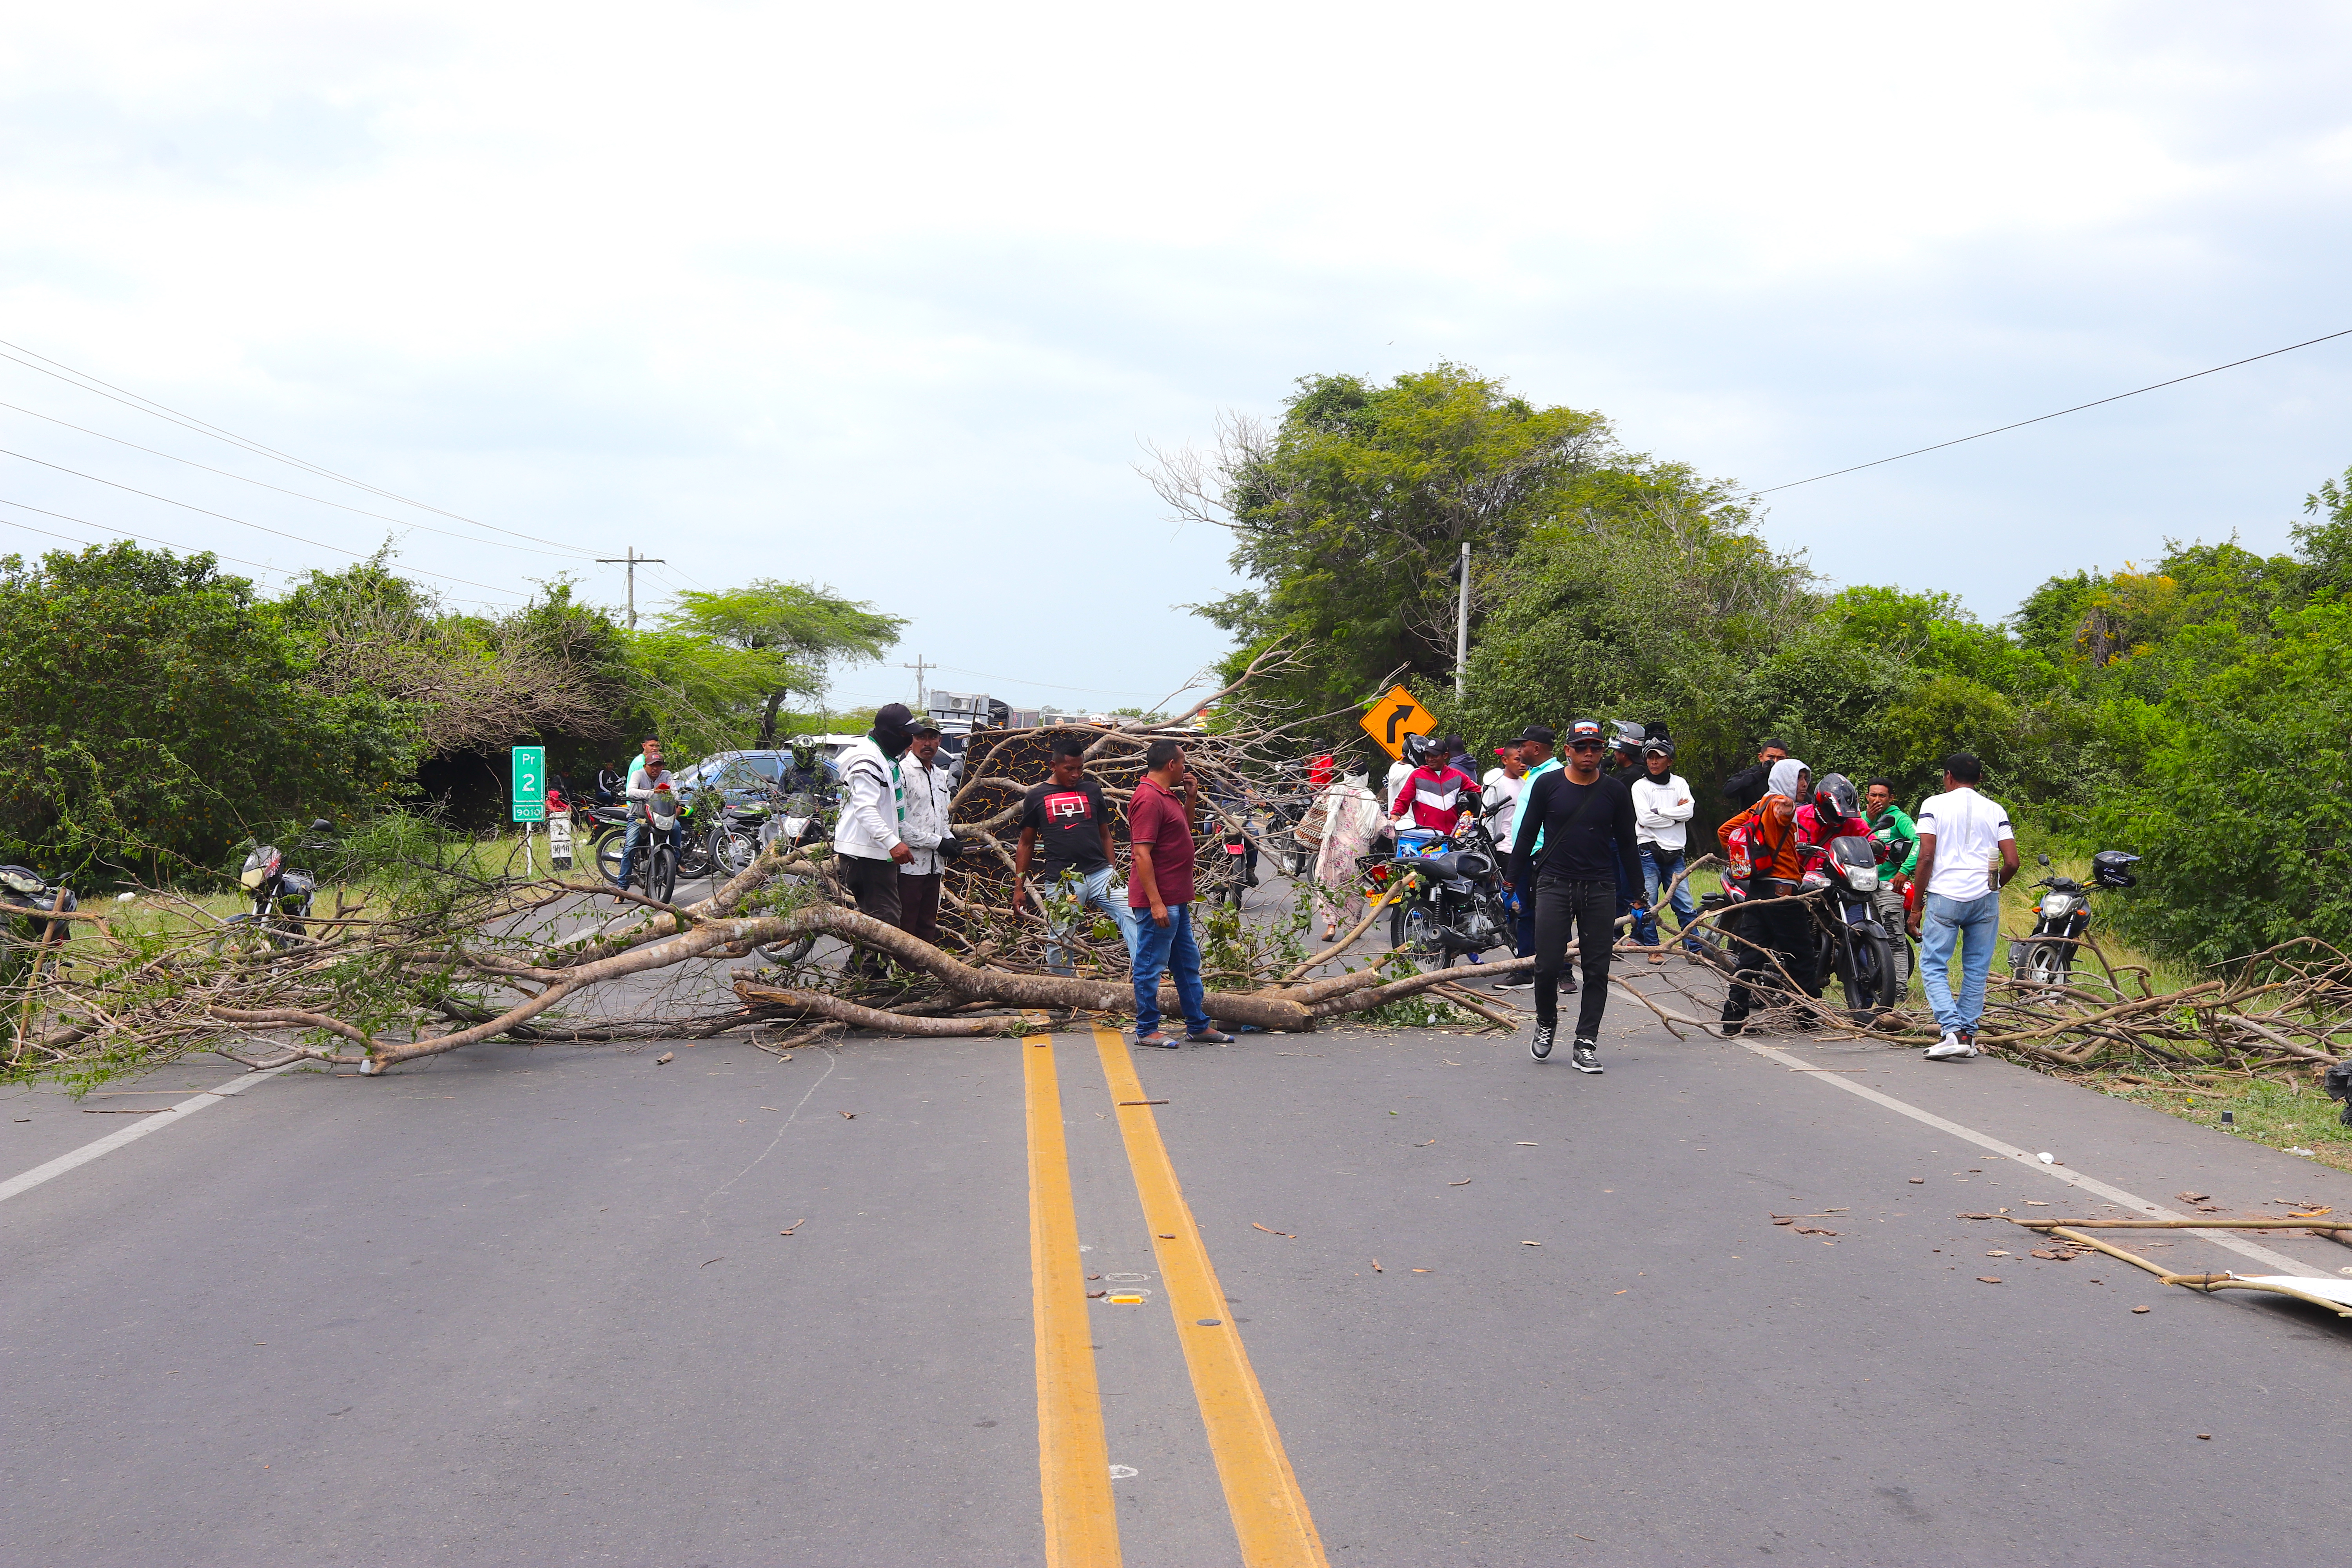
(1784, 777)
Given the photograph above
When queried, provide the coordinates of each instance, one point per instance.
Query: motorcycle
(798, 824)
(1849, 941)
(1449, 900)
(24, 889)
(2062, 916)
(282, 896)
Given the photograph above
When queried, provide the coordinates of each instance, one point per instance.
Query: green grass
(2292, 1114)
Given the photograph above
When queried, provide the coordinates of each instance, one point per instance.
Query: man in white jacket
(1662, 805)
(929, 790)
(869, 841)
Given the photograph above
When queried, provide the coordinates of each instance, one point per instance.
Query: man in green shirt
(1898, 838)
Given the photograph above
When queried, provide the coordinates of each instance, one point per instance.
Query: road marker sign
(529, 783)
(1392, 718)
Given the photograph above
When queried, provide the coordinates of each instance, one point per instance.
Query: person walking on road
(869, 841)
(928, 790)
(1966, 851)
(1537, 748)
(1159, 897)
(1066, 817)
(1586, 823)
(1354, 821)
(1748, 785)
(1662, 813)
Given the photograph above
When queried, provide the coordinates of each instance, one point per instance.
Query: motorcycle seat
(1459, 865)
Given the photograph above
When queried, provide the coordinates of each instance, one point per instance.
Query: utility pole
(1462, 626)
(632, 561)
(921, 706)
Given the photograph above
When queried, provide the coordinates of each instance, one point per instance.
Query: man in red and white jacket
(1436, 794)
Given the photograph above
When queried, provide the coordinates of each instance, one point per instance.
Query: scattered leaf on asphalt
(1096, 1295)
(771, 1107)
(1423, 1145)
(1784, 1222)
(1918, 1180)
(721, 1259)
(849, 1116)
(665, 1059)
(1421, 1271)
(2139, 1308)
(1165, 1235)
(1463, 1183)
(1093, 1275)
(1531, 1243)
(1997, 1252)
(2204, 1437)
(1270, 1230)
(1524, 1144)
(1376, 1267)
(2192, 1198)
(1988, 1279)
(2035, 1204)
(1812, 1230)
(791, 1227)
(2310, 1214)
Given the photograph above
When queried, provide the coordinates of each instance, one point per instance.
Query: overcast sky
(889, 299)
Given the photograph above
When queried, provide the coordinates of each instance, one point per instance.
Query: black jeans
(1590, 909)
(1773, 928)
(875, 885)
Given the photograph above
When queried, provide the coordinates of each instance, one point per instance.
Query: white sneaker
(1950, 1046)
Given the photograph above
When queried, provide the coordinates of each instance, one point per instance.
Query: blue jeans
(1661, 866)
(1975, 925)
(1167, 950)
(630, 842)
(1095, 892)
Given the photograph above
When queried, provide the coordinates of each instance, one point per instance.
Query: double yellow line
(1269, 1513)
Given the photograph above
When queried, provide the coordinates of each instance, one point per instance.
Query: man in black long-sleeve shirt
(1587, 823)
(1745, 787)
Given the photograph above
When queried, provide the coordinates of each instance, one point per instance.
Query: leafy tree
(806, 630)
(1350, 513)
(152, 711)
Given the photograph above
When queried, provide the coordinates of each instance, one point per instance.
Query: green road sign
(531, 783)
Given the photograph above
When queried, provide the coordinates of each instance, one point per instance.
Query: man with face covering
(1762, 843)
(870, 839)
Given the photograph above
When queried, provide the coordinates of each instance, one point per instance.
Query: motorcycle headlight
(1864, 878)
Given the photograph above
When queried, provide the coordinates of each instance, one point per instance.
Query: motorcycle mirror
(2043, 859)
(322, 826)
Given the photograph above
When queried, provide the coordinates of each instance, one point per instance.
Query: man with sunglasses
(1590, 837)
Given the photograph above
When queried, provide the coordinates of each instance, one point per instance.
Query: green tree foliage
(152, 709)
(1350, 512)
(791, 634)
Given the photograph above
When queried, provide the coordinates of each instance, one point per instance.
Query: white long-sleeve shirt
(1661, 809)
(928, 790)
(872, 803)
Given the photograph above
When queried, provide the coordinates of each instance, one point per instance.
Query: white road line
(132, 1134)
(2071, 1178)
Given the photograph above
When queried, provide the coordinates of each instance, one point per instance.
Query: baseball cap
(1584, 730)
(1540, 733)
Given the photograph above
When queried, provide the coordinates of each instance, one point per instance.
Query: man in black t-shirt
(1586, 821)
(1069, 819)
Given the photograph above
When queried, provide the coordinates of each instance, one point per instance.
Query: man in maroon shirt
(1160, 824)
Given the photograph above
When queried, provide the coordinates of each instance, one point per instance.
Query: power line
(2038, 418)
(1024, 680)
(632, 560)
(241, 522)
(339, 506)
(148, 405)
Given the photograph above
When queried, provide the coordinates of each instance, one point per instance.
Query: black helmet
(1658, 745)
(2111, 869)
(1835, 792)
(1630, 735)
(1416, 750)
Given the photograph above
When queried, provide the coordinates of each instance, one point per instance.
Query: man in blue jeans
(1967, 850)
(1159, 898)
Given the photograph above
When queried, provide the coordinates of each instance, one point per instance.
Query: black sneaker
(1585, 1057)
(1518, 982)
(1540, 1047)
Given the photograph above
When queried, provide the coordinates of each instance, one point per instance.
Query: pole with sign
(1396, 715)
(529, 795)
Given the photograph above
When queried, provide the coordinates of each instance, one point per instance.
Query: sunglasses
(1587, 745)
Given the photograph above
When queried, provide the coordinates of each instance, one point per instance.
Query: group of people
(1596, 829)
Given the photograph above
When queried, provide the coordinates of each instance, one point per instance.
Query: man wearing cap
(869, 841)
(928, 792)
(1585, 823)
(1538, 750)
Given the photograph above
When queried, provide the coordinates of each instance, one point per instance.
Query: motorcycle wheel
(607, 855)
(1413, 932)
(1870, 989)
(733, 850)
(661, 873)
(2051, 964)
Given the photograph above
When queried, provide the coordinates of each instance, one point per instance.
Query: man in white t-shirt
(1967, 850)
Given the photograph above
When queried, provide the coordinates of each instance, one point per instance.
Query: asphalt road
(533, 1307)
